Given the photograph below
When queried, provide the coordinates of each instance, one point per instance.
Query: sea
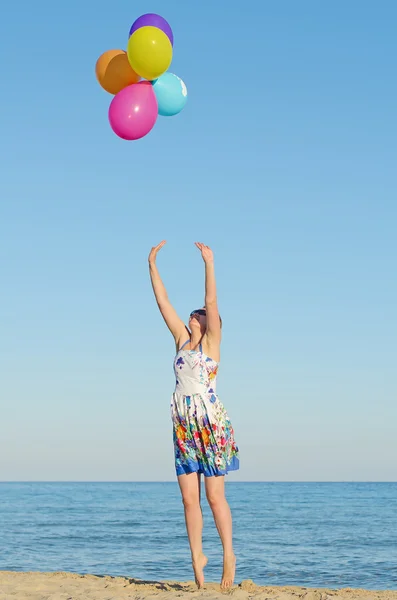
(308, 534)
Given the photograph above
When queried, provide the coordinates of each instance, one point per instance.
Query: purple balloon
(153, 20)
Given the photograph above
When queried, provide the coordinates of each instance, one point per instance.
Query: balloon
(153, 20)
(171, 94)
(114, 72)
(133, 111)
(149, 52)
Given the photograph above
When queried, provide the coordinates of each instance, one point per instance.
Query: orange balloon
(114, 72)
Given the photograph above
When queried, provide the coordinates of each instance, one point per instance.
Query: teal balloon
(171, 94)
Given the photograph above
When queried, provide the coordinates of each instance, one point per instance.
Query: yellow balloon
(149, 52)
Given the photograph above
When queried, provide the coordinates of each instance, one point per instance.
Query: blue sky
(283, 161)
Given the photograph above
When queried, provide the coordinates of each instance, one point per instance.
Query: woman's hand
(154, 251)
(206, 252)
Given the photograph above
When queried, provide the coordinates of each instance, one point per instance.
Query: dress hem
(193, 467)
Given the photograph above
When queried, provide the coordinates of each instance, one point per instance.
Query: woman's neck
(195, 339)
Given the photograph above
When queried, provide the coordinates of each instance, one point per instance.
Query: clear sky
(284, 161)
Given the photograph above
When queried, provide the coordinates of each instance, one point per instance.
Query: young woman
(203, 435)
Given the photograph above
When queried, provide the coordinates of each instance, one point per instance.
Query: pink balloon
(133, 111)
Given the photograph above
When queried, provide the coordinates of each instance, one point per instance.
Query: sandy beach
(70, 586)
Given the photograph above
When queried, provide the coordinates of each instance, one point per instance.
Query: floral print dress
(203, 434)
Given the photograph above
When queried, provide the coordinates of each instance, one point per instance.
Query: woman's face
(198, 318)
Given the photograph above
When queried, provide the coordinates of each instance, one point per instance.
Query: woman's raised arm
(173, 322)
(211, 304)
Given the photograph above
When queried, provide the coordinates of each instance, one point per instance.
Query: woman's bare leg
(191, 495)
(215, 490)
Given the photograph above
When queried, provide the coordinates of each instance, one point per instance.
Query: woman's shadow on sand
(158, 585)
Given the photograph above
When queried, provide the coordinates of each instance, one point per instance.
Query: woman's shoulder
(181, 343)
(211, 348)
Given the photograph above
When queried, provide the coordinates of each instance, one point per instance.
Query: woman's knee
(215, 498)
(190, 489)
(190, 500)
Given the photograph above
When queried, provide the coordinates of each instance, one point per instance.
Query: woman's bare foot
(199, 564)
(229, 570)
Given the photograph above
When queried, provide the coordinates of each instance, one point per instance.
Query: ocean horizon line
(140, 481)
